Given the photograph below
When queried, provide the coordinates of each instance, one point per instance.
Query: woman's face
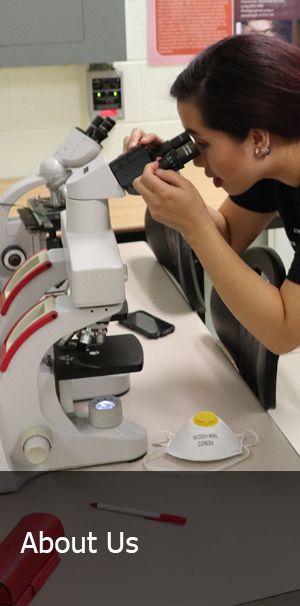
(230, 163)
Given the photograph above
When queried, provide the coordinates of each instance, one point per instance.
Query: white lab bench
(186, 372)
(241, 536)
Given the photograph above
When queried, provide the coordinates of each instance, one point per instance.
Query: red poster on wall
(179, 29)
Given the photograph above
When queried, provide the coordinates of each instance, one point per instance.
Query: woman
(240, 102)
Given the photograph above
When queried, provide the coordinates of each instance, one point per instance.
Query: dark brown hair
(243, 82)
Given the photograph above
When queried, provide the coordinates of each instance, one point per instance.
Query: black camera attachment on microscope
(173, 154)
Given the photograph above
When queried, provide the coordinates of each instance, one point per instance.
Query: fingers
(166, 177)
(148, 181)
(133, 139)
(151, 140)
(139, 137)
(157, 180)
(170, 176)
(171, 198)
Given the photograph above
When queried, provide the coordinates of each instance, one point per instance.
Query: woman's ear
(261, 141)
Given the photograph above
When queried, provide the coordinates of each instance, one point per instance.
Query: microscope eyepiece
(99, 128)
(97, 120)
(173, 144)
(175, 159)
(173, 154)
(104, 128)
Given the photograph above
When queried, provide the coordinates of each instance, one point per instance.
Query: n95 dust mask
(205, 437)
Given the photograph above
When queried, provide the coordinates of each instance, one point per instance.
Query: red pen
(148, 515)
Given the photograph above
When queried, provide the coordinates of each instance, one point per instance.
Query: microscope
(37, 225)
(50, 342)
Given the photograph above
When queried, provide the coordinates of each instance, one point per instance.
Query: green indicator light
(115, 94)
(98, 94)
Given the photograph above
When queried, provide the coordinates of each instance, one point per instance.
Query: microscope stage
(118, 354)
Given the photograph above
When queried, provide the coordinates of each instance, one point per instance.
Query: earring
(259, 151)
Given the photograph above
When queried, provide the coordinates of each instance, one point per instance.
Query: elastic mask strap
(242, 437)
(151, 457)
(162, 438)
(232, 463)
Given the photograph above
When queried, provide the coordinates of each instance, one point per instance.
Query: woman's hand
(139, 137)
(172, 199)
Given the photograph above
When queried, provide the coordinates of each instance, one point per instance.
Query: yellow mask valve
(205, 419)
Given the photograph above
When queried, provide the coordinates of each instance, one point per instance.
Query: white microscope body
(39, 428)
(18, 243)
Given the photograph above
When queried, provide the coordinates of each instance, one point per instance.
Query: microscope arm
(15, 191)
(18, 240)
(78, 149)
(95, 269)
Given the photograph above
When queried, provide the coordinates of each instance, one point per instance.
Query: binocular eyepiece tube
(172, 155)
(99, 128)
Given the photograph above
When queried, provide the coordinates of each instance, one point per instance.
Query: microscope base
(75, 443)
(87, 447)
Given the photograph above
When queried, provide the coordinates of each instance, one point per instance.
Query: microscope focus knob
(36, 449)
(12, 257)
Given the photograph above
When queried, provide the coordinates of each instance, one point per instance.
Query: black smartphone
(148, 325)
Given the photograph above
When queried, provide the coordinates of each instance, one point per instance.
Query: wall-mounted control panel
(105, 92)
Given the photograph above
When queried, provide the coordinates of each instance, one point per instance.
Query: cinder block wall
(40, 105)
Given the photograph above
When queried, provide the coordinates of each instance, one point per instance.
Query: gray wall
(39, 32)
